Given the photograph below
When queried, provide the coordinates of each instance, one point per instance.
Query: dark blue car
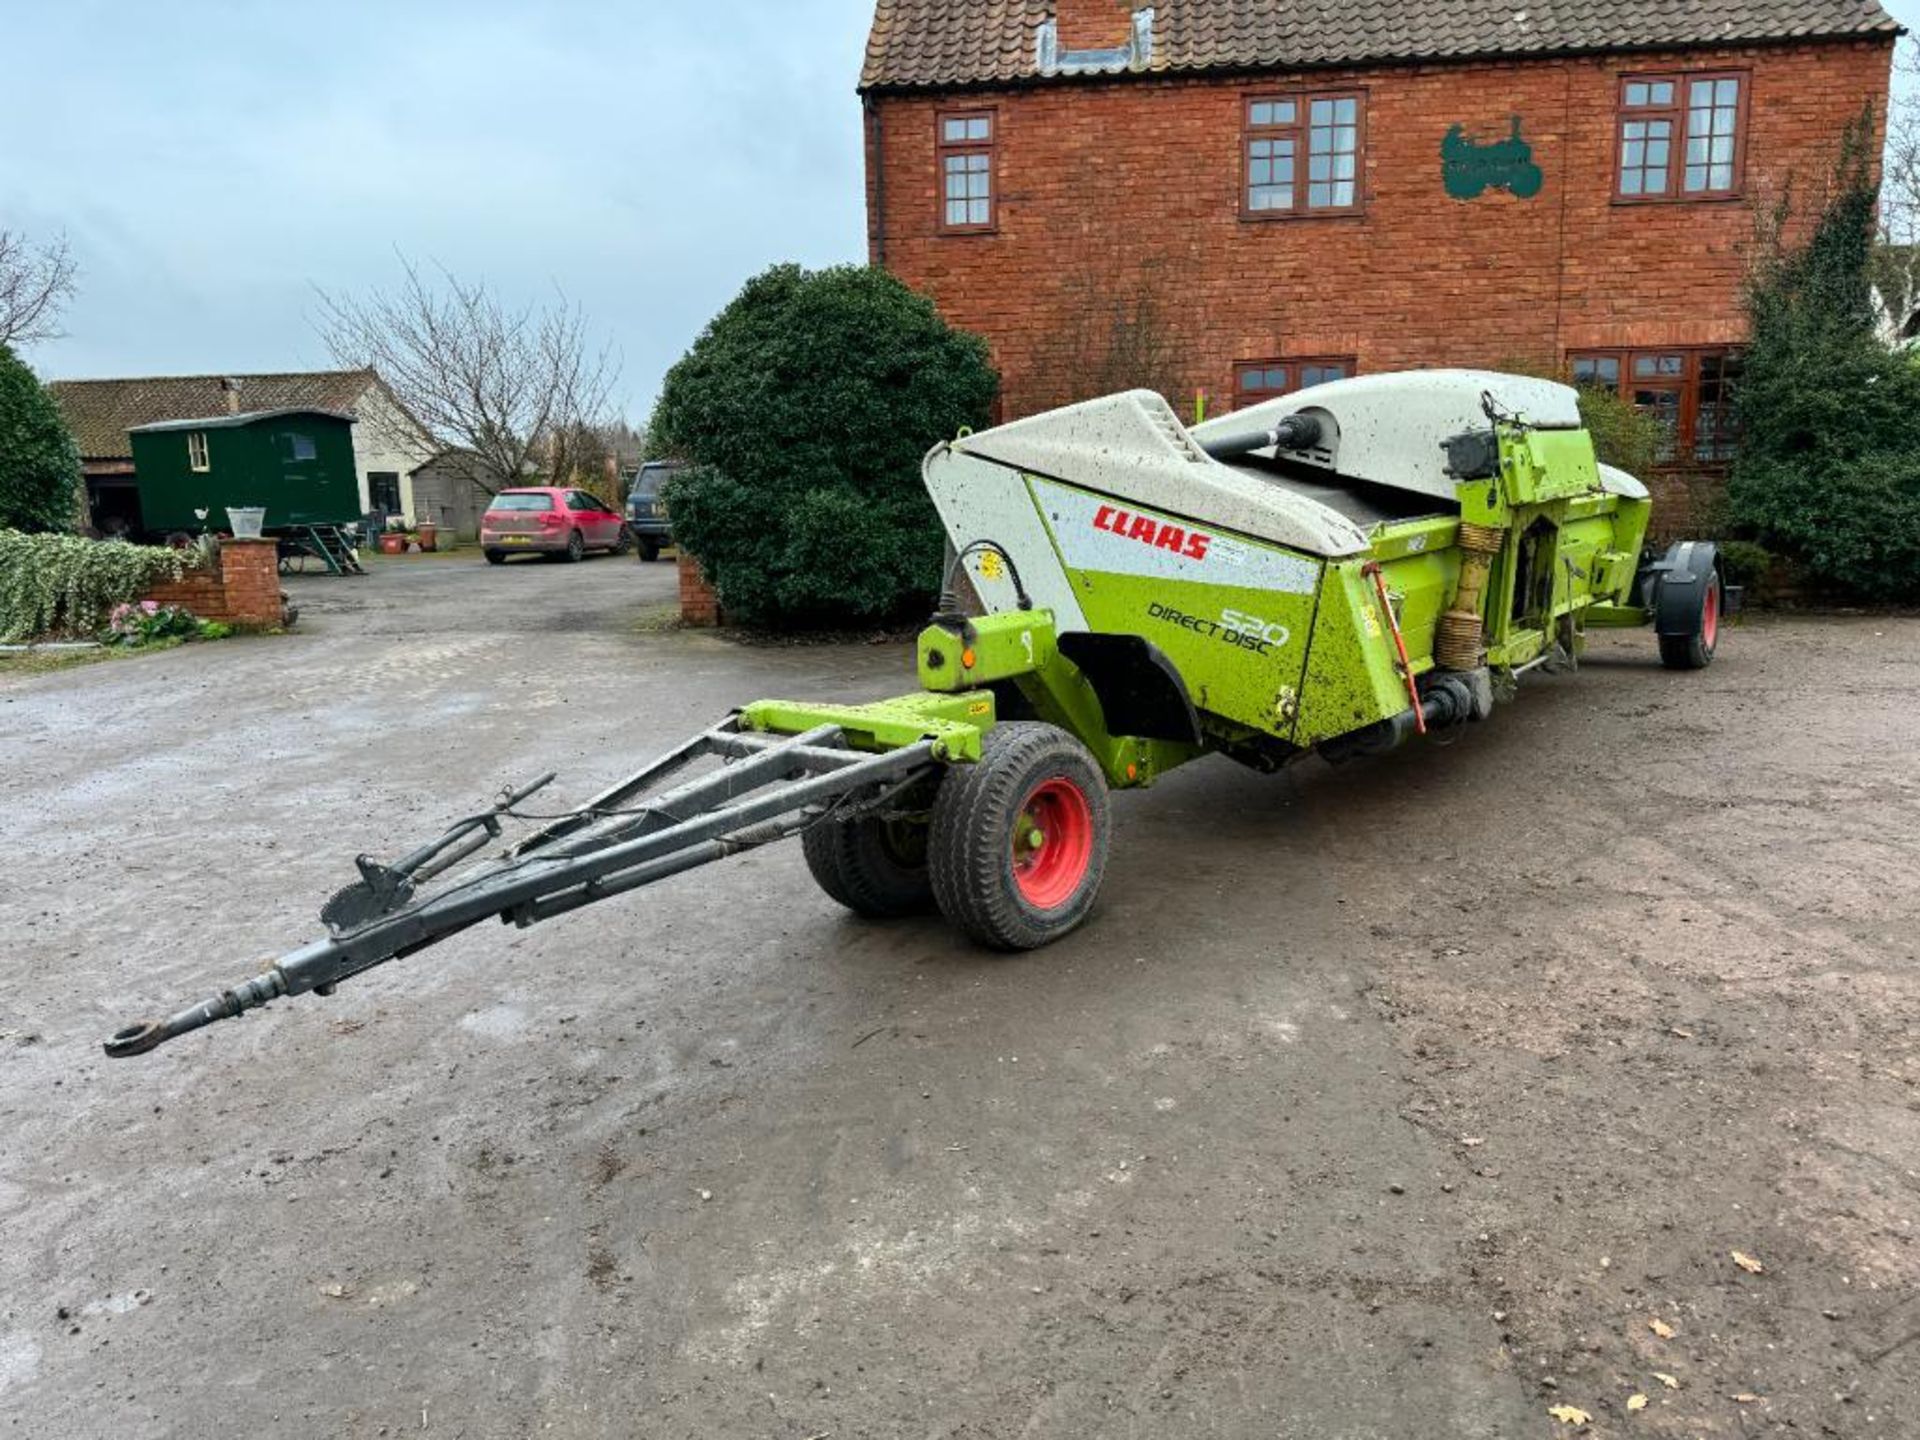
(647, 512)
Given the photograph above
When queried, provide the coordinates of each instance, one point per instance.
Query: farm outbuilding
(296, 464)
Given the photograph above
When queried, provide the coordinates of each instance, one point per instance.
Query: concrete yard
(1391, 1101)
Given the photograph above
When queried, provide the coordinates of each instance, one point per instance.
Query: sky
(212, 162)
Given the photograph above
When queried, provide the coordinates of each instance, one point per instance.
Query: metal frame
(770, 787)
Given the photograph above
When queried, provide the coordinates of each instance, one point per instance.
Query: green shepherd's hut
(295, 464)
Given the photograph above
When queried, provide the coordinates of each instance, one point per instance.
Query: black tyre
(1694, 651)
(1019, 841)
(874, 867)
(649, 550)
(576, 548)
(624, 543)
(496, 557)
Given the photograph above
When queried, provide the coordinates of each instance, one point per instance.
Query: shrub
(804, 410)
(39, 464)
(1828, 472)
(69, 585)
(145, 623)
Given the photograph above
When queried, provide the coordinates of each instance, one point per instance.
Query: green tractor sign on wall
(1470, 168)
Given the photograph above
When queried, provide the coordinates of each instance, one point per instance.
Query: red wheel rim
(1710, 615)
(1052, 844)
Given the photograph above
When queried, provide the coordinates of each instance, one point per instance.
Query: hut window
(299, 447)
(197, 451)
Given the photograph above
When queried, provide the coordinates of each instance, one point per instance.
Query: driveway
(1397, 1100)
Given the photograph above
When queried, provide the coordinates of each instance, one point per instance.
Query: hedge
(67, 585)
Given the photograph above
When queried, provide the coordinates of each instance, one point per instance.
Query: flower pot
(392, 543)
(247, 520)
(428, 536)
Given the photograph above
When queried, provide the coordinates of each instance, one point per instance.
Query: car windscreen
(522, 502)
(647, 483)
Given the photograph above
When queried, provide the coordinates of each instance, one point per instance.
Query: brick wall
(243, 590)
(699, 605)
(1107, 189)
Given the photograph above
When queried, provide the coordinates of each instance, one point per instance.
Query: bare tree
(493, 380)
(1896, 262)
(1122, 333)
(36, 282)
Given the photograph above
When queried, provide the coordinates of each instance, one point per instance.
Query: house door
(383, 492)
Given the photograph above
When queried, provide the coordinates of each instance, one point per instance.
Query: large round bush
(39, 466)
(805, 409)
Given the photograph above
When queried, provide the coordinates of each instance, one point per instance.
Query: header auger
(1333, 571)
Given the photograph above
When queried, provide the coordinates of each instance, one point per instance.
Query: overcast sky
(213, 160)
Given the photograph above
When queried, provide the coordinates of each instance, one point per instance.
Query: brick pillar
(1093, 24)
(250, 574)
(699, 605)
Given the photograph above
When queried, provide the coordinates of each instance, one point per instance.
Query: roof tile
(100, 412)
(942, 43)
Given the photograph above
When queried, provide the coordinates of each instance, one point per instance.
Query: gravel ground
(1397, 1100)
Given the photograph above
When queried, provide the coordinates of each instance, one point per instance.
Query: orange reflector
(967, 657)
(1133, 772)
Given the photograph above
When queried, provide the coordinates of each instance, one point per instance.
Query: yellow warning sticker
(991, 565)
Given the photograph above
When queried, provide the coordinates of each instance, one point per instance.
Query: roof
(942, 44)
(224, 421)
(101, 412)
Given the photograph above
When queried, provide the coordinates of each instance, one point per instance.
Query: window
(197, 451)
(1257, 380)
(1680, 136)
(295, 447)
(965, 147)
(383, 491)
(520, 500)
(1302, 155)
(1689, 391)
(586, 504)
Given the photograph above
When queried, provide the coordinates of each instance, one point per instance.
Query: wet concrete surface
(1389, 1101)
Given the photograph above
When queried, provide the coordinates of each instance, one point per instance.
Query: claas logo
(1157, 533)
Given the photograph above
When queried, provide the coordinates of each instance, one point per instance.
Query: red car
(547, 520)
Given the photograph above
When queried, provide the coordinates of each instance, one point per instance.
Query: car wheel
(624, 543)
(576, 547)
(496, 557)
(649, 550)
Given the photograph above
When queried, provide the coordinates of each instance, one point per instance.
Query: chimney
(1094, 24)
(230, 390)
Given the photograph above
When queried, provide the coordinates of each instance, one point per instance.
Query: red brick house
(1246, 196)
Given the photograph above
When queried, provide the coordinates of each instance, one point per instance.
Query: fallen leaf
(1748, 1263)
(1660, 1328)
(1569, 1415)
(1470, 1141)
(1636, 1402)
(1745, 1397)
(1683, 1034)
(1671, 1382)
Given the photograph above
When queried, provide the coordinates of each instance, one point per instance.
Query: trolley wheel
(1695, 651)
(874, 867)
(496, 557)
(1019, 841)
